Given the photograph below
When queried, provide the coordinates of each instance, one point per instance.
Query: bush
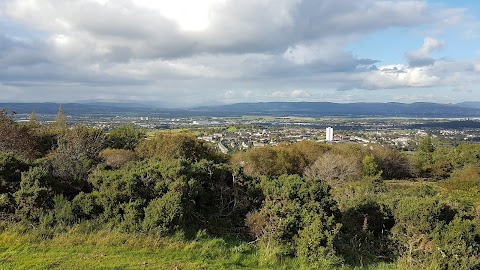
(314, 243)
(168, 146)
(457, 245)
(365, 234)
(16, 138)
(85, 205)
(271, 161)
(334, 168)
(74, 159)
(63, 210)
(132, 215)
(393, 164)
(164, 215)
(125, 137)
(11, 168)
(116, 158)
(415, 221)
(298, 215)
(34, 195)
(7, 203)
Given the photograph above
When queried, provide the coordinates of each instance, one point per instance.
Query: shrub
(11, 168)
(457, 245)
(298, 215)
(116, 158)
(63, 210)
(272, 161)
(85, 205)
(16, 138)
(334, 168)
(168, 146)
(314, 243)
(132, 215)
(75, 158)
(415, 221)
(34, 194)
(164, 215)
(370, 168)
(365, 234)
(125, 137)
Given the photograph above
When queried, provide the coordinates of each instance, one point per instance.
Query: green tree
(424, 157)
(370, 168)
(125, 137)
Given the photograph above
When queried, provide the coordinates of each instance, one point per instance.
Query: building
(329, 134)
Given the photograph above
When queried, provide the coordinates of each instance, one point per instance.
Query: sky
(199, 52)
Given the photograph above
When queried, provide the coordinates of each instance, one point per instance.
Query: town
(232, 134)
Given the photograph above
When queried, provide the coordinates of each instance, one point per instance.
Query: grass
(107, 249)
(76, 248)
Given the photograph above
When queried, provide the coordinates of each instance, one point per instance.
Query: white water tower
(329, 134)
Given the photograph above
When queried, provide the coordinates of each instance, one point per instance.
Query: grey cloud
(83, 45)
(247, 26)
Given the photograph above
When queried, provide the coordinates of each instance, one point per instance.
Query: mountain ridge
(313, 109)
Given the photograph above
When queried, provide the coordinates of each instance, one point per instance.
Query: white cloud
(205, 48)
(294, 94)
(396, 76)
(421, 57)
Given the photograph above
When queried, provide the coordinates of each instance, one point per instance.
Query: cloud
(157, 50)
(421, 57)
(294, 94)
(457, 75)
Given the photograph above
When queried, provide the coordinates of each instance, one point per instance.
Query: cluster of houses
(245, 139)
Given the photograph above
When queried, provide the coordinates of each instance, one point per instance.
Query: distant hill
(470, 104)
(390, 109)
(100, 108)
(314, 109)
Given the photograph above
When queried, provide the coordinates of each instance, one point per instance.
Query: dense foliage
(326, 205)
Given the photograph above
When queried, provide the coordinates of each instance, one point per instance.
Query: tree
(370, 168)
(393, 164)
(15, 138)
(75, 157)
(271, 161)
(116, 158)
(32, 121)
(125, 137)
(60, 120)
(174, 145)
(334, 168)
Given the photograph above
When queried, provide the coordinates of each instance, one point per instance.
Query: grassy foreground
(107, 249)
